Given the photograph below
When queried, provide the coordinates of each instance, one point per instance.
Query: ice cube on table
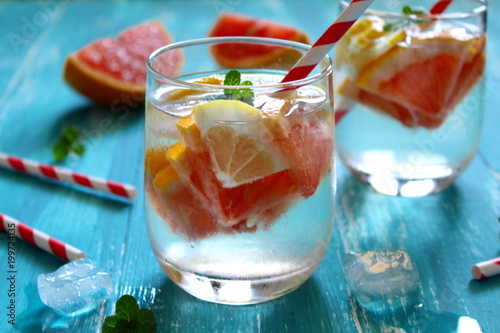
(75, 288)
(382, 280)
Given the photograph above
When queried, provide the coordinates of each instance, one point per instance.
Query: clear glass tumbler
(409, 94)
(239, 168)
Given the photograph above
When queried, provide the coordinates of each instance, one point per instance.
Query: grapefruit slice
(234, 55)
(172, 200)
(471, 72)
(393, 109)
(421, 75)
(188, 217)
(309, 149)
(237, 152)
(231, 206)
(112, 72)
(416, 76)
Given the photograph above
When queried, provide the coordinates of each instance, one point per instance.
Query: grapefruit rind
(99, 87)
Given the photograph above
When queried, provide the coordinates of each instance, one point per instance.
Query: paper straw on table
(39, 239)
(486, 269)
(325, 43)
(438, 8)
(65, 176)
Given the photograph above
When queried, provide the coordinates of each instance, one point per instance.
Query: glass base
(390, 184)
(236, 291)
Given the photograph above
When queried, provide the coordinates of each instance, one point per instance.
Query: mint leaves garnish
(407, 10)
(129, 318)
(67, 143)
(233, 78)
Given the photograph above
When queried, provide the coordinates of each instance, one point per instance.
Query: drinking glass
(239, 178)
(409, 94)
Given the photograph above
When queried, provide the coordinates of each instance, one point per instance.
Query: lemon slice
(178, 94)
(364, 42)
(232, 132)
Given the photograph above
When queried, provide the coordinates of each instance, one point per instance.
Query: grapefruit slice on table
(112, 72)
(234, 55)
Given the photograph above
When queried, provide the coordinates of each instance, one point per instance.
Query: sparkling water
(271, 257)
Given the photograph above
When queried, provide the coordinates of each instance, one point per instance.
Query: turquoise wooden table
(445, 233)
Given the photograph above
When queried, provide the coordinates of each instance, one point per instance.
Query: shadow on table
(478, 287)
(96, 121)
(304, 310)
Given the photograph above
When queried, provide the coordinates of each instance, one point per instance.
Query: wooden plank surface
(445, 233)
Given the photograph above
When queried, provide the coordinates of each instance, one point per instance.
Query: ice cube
(75, 288)
(382, 280)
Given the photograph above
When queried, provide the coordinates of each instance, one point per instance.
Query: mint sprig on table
(67, 143)
(407, 10)
(129, 318)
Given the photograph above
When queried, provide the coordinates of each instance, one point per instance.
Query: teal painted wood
(445, 233)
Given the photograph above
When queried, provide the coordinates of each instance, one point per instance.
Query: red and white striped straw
(486, 269)
(66, 176)
(39, 239)
(325, 43)
(440, 6)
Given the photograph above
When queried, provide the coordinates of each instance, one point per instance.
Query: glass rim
(480, 9)
(235, 39)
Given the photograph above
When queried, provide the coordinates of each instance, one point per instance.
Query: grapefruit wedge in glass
(415, 74)
(112, 71)
(420, 75)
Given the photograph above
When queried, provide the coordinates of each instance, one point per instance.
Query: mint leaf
(233, 78)
(71, 133)
(110, 324)
(129, 318)
(147, 320)
(60, 151)
(67, 143)
(127, 308)
(407, 10)
(78, 149)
